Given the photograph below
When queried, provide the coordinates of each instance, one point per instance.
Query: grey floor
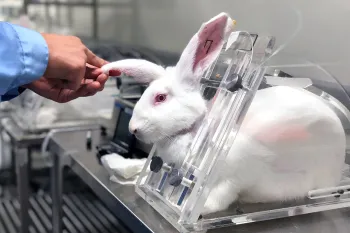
(83, 211)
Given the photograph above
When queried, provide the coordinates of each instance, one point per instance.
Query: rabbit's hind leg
(220, 197)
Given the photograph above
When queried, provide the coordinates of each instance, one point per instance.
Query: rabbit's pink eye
(160, 98)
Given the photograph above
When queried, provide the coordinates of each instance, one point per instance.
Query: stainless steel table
(22, 142)
(140, 217)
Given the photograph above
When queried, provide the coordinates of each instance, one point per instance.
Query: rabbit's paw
(211, 206)
(220, 198)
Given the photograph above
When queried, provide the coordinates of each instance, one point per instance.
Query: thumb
(94, 60)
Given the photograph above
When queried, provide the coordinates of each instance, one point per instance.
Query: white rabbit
(290, 141)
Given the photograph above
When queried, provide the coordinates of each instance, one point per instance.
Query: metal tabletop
(30, 135)
(19, 136)
(140, 217)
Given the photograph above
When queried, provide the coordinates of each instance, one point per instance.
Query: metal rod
(23, 187)
(135, 30)
(95, 19)
(58, 13)
(48, 18)
(83, 4)
(25, 6)
(70, 17)
(57, 183)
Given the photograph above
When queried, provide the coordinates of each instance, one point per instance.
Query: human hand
(52, 88)
(68, 58)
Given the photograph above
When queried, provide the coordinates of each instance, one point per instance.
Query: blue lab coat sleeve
(24, 57)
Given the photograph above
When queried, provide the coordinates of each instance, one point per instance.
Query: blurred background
(320, 26)
(167, 25)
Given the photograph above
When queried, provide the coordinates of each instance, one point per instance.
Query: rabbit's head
(172, 103)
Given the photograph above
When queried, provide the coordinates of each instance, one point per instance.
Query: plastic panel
(179, 190)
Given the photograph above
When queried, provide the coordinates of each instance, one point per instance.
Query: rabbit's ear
(142, 70)
(204, 47)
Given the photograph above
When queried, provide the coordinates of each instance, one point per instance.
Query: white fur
(290, 141)
(262, 166)
(142, 70)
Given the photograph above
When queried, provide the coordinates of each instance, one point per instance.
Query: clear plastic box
(34, 113)
(244, 66)
(26, 108)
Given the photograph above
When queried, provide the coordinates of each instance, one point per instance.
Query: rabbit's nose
(132, 129)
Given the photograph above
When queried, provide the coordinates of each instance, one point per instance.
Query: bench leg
(57, 192)
(22, 170)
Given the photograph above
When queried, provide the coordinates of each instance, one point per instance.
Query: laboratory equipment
(55, 22)
(123, 142)
(9, 9)
(177, 183)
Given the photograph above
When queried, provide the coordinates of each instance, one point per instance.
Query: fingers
(68, 59)
(93, 87)
(50, 89)
(94, 60)
(85, 90)
(92, 72)
(95, 74)
(73, 80)
(102, 79)
(84, 70)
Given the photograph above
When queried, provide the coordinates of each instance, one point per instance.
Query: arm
(23, 58)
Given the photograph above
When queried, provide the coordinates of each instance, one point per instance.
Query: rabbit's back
(290, 142)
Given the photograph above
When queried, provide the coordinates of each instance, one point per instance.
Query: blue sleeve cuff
(13, 93)
(35, 55)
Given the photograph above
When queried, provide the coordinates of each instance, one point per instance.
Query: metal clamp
(175, 177)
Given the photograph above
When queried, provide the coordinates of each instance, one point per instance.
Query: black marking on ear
(210, 43)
